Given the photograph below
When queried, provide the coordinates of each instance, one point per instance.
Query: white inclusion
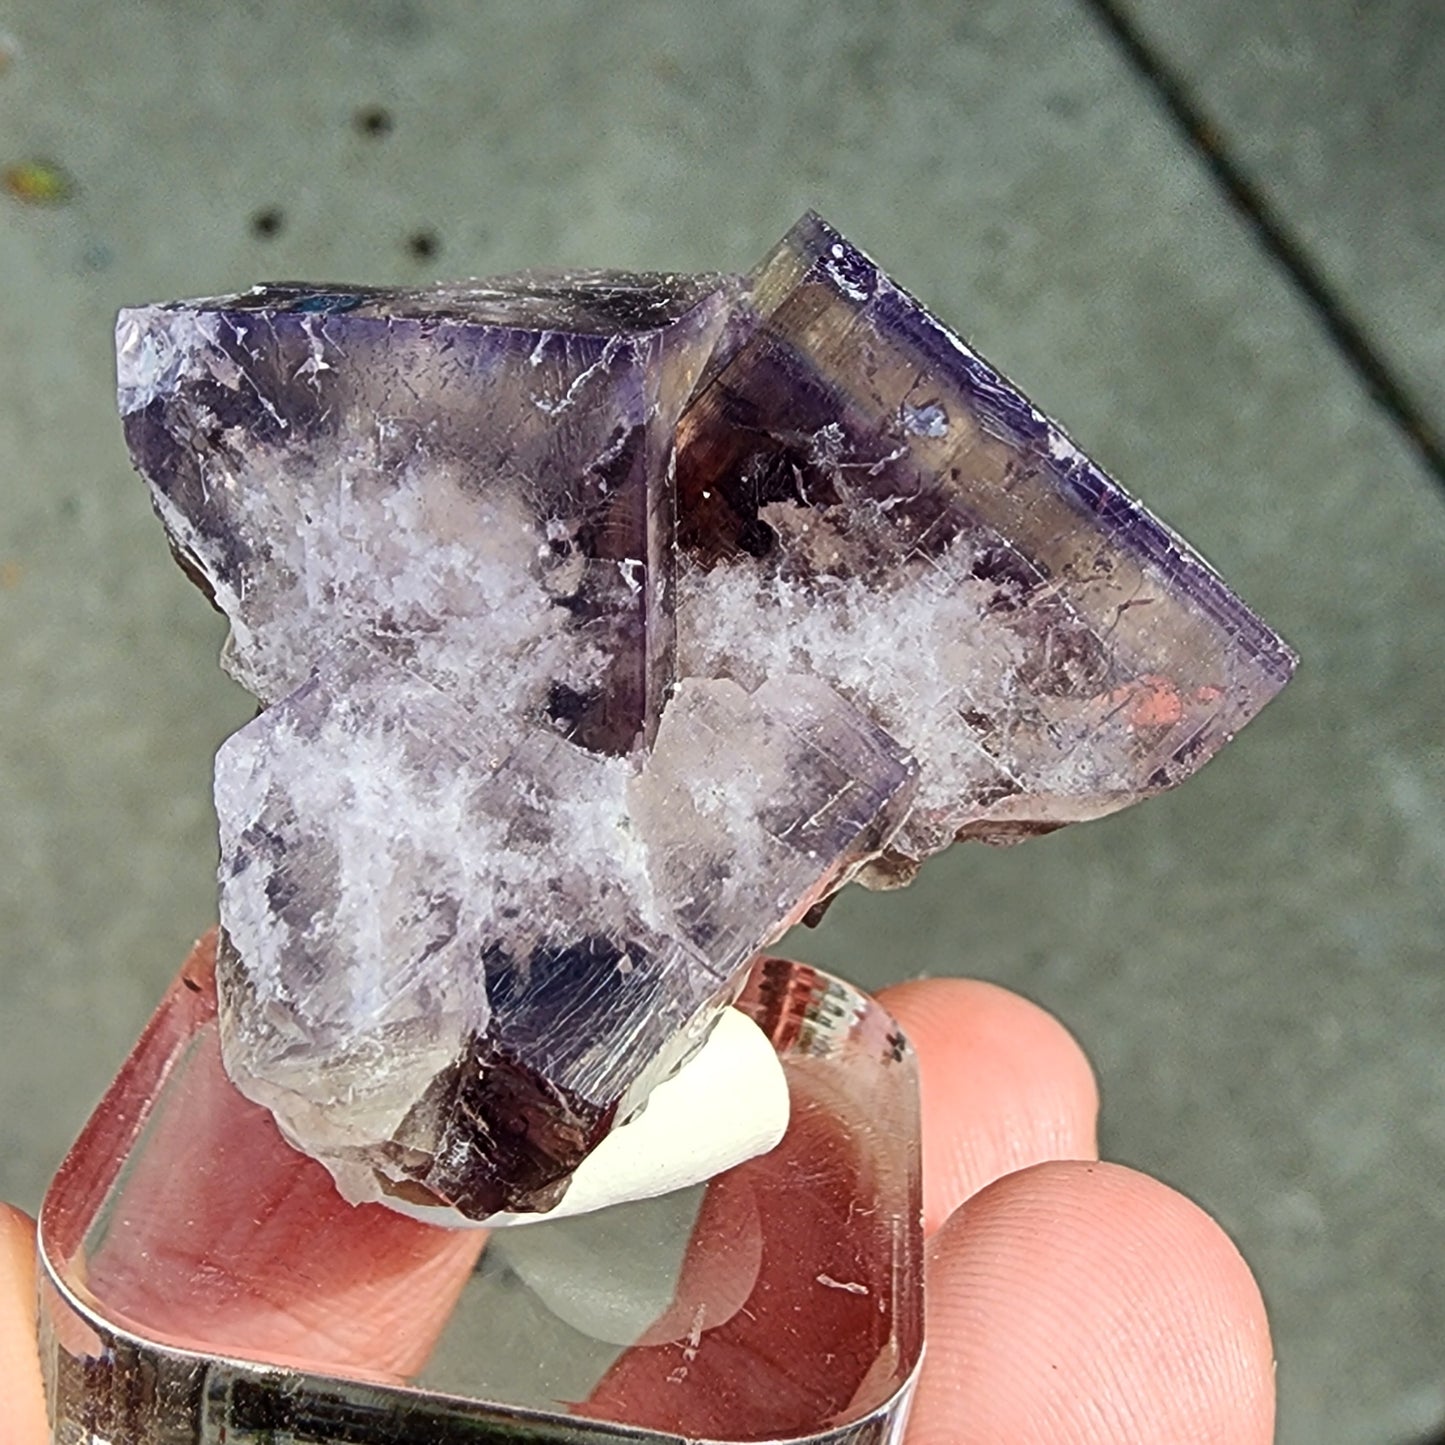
(344, 544)
(850, 1286)
(929, 420)
(316, 361)
(875, 468)
(372, 874)
(844, 631)
(1060, 447)
(694, 1334)
(157, 349)
(858, 293)
(456, 841)
(632, 571)
(423, 549)
(553, 408)
(484, 569)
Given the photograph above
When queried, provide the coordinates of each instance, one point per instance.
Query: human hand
(1069, 1302)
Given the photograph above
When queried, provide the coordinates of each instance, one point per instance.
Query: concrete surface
(1338, 108)
(1252, 962)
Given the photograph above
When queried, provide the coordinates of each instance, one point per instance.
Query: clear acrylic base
(204, 1284)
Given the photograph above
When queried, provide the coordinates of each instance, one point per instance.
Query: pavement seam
(1248, 199)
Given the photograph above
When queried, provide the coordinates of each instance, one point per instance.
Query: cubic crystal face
(862, 498)
(604, 625)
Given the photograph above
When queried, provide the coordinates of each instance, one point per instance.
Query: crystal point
(604, 625)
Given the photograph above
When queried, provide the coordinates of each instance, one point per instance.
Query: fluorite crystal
(604, 625)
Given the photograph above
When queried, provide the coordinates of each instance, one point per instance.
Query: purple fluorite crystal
(604, 625)
(862, 498)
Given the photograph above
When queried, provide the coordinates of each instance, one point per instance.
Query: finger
(235, 1243)
(1004, 1086)
(1086, 1304)
(22, 1406)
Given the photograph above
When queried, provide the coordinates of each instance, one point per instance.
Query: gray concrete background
(1336, 108)
(1253, 961)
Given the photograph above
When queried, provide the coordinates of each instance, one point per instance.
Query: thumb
(22, 1405)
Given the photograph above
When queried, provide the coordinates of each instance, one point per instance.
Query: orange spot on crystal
(1151, 701)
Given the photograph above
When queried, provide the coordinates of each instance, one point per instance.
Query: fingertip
(1087, 1304)
(22, 1406)
(17, 1253)
(1004, 1086)
(16, 1228)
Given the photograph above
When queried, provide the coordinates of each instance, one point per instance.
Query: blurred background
(1207, 237)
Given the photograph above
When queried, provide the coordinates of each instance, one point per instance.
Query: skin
(1070, 1302)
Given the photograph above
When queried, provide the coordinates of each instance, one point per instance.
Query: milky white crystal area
(368, 816)
(604, 625)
